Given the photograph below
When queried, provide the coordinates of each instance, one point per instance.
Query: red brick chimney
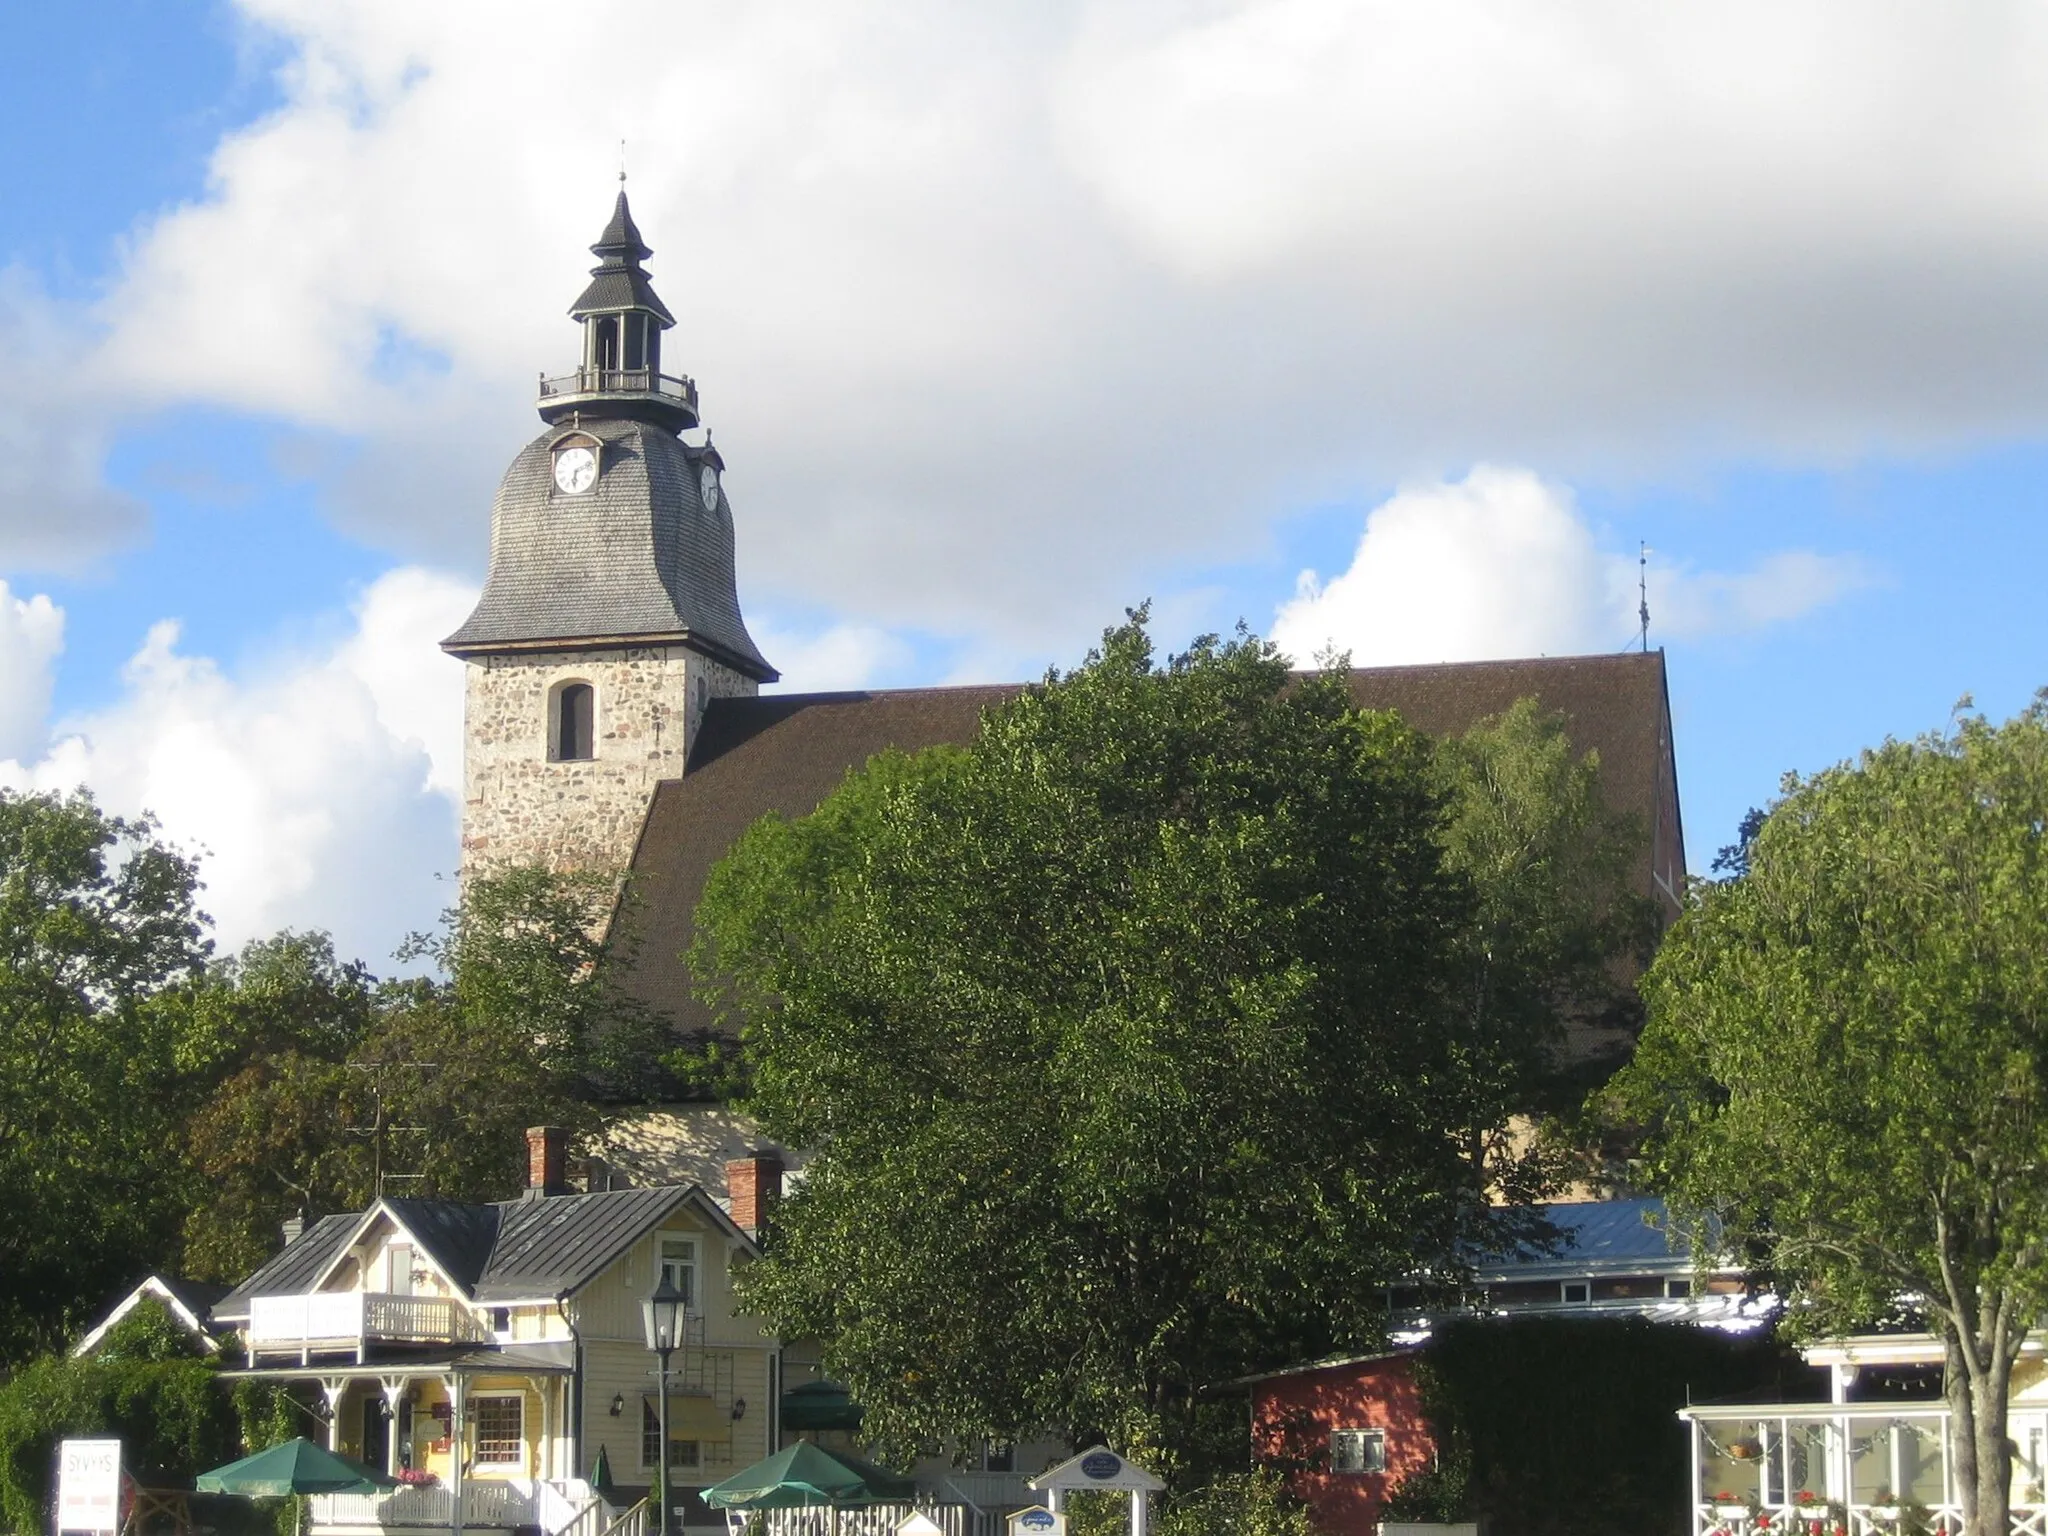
(753, 1184)
(547, 1160)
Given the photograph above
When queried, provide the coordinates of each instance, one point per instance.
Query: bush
(1569, 1427)
(1237, 1504)
(174, 1415)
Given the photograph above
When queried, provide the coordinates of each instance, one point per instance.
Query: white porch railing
(351, 1319)
(1865, 1469)
(484, 1503)
(864, 1520)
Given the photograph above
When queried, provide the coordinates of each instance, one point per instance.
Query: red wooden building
(1345, 1431)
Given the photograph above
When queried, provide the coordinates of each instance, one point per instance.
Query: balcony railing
(1875, 1469)
(620, 381)
(484, 1503)
(331, 1320)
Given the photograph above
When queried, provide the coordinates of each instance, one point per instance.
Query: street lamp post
(663, 1314)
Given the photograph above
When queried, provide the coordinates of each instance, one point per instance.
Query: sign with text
(1037, 1521)
(89, 1485)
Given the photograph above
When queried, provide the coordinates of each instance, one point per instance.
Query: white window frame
(1676, 1289)
(650, 1429)
(1584, 1288)
(686, 1262)
(1358, 1452)
(518, 1456)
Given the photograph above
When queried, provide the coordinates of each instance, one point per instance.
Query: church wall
(519, 808)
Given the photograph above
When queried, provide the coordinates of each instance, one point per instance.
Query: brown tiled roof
(787, 752)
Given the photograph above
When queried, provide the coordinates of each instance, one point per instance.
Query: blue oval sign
(1100, 1465)
(1036, 1520)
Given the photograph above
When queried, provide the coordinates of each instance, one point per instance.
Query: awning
(820, 1405)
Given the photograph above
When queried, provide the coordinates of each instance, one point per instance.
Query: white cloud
(840, 657)
(31, 636)
(992, 303)
(1502, 564)
(320, 793)
(56, 512)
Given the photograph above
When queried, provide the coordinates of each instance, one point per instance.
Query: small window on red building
(1358, 1450)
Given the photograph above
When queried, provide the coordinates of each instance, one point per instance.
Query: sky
(1401, 329)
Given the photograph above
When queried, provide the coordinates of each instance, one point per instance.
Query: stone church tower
(611, 616)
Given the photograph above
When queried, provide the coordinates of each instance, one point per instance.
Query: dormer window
(572, 722)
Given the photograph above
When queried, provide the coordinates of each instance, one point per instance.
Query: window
(679, 1268)
(1358, 1450)
(1678, 1290)
(998, 1456)
(500, 1430)
(501, 1319)
(681, 1453)
(572, 724)
(1577, 1290)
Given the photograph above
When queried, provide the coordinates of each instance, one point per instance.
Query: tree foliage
(421, 1086)
(1130, 1039)
(1847, 1055)
(96, 921)
(1562, 928)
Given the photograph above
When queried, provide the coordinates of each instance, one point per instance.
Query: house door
(399, 1262)
(376, 1433)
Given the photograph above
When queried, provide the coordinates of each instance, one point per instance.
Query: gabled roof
(787, 752)
(509, 1250)
(189, 1303)
(547, 1247)
(293, 1269)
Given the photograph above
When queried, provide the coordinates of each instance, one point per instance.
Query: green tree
(1562, 927)
(1846, 1060)
(96, 920)
(1129, 1040)
(332, 1086)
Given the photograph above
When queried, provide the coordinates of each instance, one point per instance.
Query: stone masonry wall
(520, 808)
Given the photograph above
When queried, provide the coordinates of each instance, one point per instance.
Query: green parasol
(803, 1474)
(297, 1466)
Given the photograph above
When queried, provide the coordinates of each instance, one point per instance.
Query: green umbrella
(806, 1475)
(297, 1466)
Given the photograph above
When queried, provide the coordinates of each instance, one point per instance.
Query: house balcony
(331, 1322)
(1873, 1469)
(667, 396)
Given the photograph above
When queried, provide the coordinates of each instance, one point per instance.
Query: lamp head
(662, 1313)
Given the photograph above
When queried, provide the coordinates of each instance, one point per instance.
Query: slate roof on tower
(617, 281)
(639, 559)
(786, 753)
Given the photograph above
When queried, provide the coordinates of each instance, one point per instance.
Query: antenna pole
(1643, 592)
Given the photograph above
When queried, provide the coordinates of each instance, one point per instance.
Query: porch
(1861, 1469)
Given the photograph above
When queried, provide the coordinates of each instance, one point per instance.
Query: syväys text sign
(1037, 1521)
(89, 1485)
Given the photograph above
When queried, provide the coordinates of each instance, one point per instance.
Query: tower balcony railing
(620, 381)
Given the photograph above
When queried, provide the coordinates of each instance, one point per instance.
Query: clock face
(707, 486)
(575, 470)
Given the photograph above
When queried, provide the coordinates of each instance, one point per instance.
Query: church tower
(611, 615)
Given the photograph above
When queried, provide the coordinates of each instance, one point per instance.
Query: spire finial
(622, 162)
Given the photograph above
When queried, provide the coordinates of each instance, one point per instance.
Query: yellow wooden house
(493, 1357)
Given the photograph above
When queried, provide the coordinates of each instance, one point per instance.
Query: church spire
(622, 319)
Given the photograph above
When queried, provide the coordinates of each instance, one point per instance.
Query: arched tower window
(572, 723)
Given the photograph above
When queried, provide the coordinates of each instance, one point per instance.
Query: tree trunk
(1994, 1459)
(1975, 1384)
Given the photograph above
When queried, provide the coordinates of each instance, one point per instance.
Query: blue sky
(1005, 320)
